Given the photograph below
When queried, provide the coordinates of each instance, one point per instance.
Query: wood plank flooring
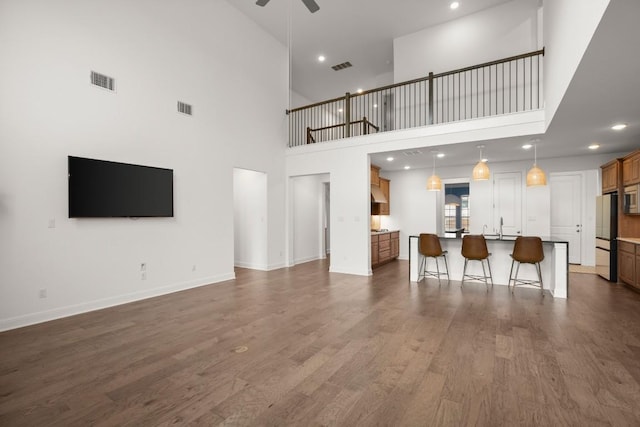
(334, 350)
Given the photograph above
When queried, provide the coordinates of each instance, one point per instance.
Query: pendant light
(434, 183)
(536, 176)
(481, 170)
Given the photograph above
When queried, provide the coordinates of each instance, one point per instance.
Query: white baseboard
(251, 266)
(353, 272)
(58, 313)
(306, 259)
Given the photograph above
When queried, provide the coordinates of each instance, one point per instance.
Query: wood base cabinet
(629, 263)
(385, 247)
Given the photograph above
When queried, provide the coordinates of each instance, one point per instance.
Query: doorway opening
(310, 214)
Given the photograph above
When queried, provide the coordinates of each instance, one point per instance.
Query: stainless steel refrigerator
(606, 234)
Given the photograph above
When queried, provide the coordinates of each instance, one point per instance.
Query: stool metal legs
(423, 272)
(484, 278)
(517, 281)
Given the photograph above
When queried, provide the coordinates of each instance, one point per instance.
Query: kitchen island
(555, 267)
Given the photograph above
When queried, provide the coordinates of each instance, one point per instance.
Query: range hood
(376, 195)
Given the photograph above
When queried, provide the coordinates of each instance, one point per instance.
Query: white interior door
(566, 211)
(507, 202)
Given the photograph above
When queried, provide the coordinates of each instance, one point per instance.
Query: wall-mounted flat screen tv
(101, 189)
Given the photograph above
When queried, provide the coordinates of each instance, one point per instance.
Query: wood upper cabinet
(375, 175)
(631, 169)
(610, 177)
(383, 184)
(384, 208)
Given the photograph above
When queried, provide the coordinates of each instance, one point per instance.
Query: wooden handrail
(421, 79)
(366, 125)
(426, 100)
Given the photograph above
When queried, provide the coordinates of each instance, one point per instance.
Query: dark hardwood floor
(304, 347)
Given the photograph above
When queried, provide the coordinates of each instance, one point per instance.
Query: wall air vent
(341, 66)
(184, 108)
(103, 81)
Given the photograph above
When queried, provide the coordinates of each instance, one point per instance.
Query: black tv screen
(100, 189)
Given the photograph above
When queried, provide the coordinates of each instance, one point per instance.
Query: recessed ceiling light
(454, 5)
(594, 146)
(359, 90)
(440, 155)
(389, 159)
(407, 167)
(527, 146)
(321, 58)
(340, 110)
(375, 105)
(619, 126)
(484, 160)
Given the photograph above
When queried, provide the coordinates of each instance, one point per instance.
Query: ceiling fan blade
(262, 2)
(311, 5)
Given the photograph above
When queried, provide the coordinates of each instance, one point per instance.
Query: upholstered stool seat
(527, 250)
(474, 248)
(429, 247)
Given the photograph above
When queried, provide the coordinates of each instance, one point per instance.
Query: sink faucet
(501, 224)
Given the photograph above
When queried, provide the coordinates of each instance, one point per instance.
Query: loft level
(499, 87)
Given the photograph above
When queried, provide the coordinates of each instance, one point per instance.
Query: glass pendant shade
(536, 177)
(434, 183)
(481, 172)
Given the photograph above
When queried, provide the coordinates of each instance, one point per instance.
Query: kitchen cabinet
(385, 247)
(631, 169)
(375, 175)
(374, 250)
(629, 267)
(382, 208)
(610, 177)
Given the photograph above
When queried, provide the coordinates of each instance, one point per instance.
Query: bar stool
(527, 250)
(474, 248)
(429, 247)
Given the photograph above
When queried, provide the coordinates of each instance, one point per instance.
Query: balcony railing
(504, 86)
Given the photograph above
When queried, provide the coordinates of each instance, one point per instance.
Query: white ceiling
(604, 90)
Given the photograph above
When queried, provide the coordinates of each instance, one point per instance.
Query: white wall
(568, 28)
(159, 52)
(502, 31)
(348, 164)
(307, 193)
(250, 219)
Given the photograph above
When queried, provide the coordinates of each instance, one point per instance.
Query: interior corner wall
(505, 30)
(250, 219)
(197, 51)
(568, 26)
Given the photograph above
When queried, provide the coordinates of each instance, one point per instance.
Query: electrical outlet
(193, 268)
(52, 223)
(143, 275)
(42, 293)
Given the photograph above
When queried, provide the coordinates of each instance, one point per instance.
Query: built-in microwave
(630, 202)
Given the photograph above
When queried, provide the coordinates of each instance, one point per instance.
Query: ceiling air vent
(184, 108)
(413, 153)
(103, 81)
(341, 66)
